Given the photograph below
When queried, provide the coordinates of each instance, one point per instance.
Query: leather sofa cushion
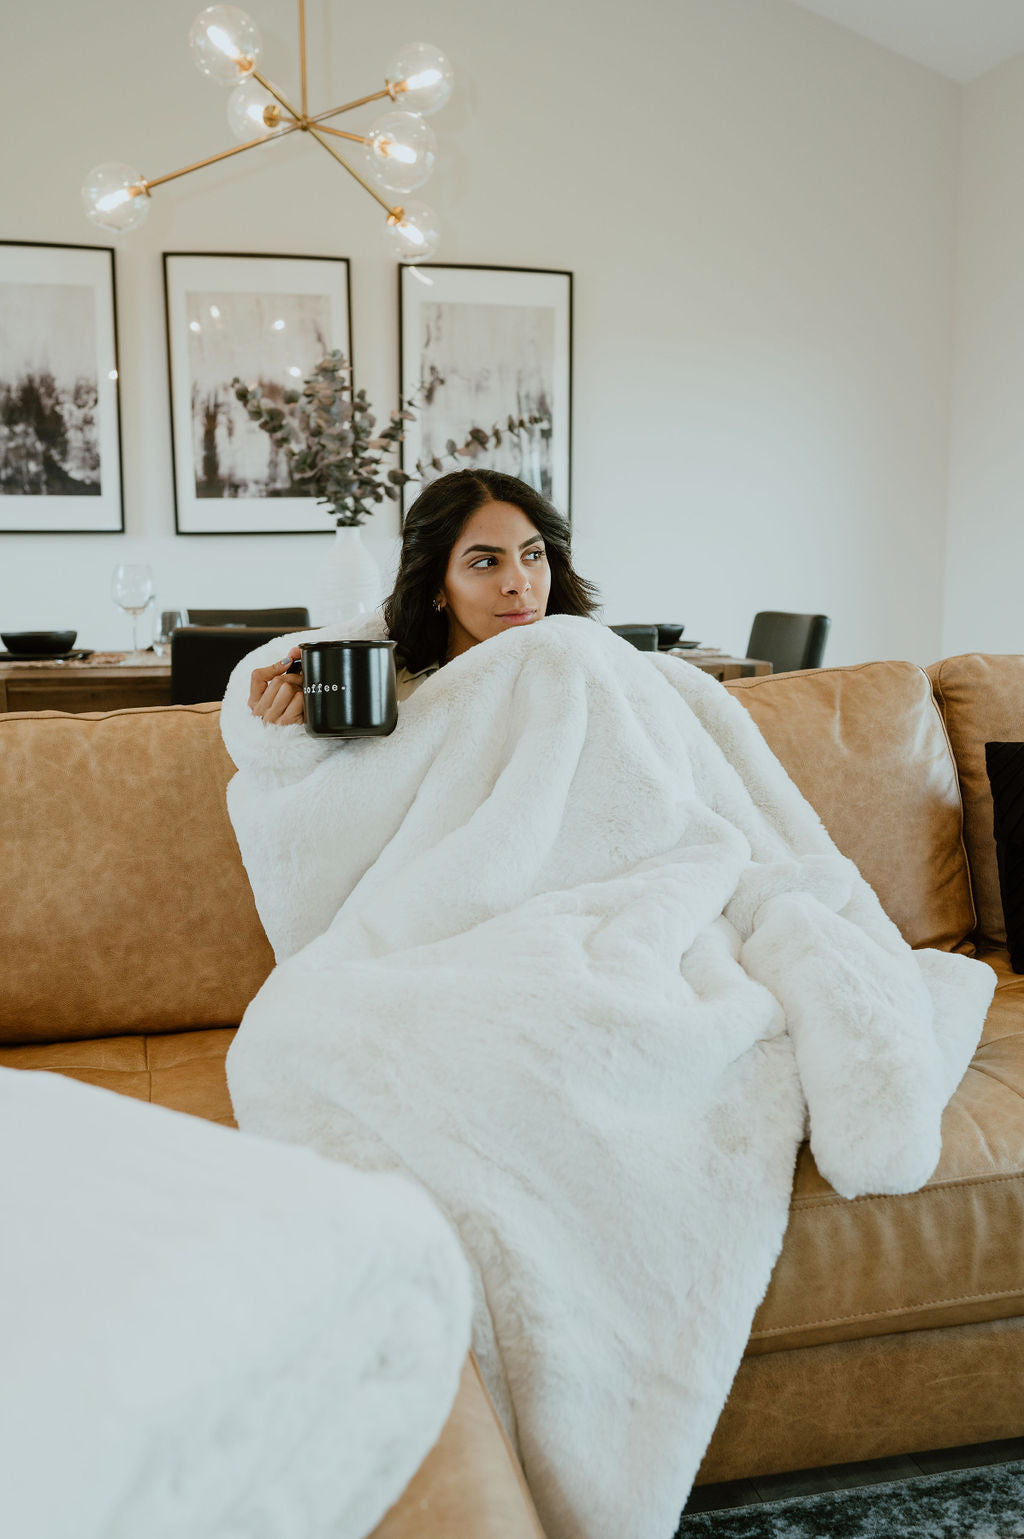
(867, 748)
(950, 1254)
(470, 1485)
(183, 1070)
(856, 1400)
(982, 700)
(124, 905)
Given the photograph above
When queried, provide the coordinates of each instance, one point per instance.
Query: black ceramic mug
(348, 688)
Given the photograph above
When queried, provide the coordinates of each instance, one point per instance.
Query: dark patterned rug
(983, 1503)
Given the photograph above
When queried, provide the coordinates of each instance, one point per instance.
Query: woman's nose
(517, 582)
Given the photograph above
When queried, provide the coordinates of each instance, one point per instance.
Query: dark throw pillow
(1005, 765)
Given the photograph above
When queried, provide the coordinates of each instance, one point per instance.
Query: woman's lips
(518, 616)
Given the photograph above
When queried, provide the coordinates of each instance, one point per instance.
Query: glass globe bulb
(414, 237)
(402, 150)
(114, 196)
(225, 43)
(419, 78)
(247, 105)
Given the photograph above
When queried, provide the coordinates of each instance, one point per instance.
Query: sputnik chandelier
(226, 45)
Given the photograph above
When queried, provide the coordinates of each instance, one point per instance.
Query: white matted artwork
(60, 426)
(479, 345)
(266, 320)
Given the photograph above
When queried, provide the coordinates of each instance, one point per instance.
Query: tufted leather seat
(949, 1254)
(180, 1069)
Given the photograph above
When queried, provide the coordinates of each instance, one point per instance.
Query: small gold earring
(438, 605)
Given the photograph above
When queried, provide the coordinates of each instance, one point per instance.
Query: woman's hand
(275, 694)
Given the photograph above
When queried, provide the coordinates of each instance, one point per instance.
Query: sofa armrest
(470, 1483)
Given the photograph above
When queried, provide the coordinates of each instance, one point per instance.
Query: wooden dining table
(719, 664)
(102, 682)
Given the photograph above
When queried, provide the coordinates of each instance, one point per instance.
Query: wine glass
(170, 620)
(131, 588)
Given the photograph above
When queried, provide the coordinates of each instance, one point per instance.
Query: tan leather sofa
(131, 947)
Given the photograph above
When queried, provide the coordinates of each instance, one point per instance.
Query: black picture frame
(532, 368)
(316, 293)
(61, 466)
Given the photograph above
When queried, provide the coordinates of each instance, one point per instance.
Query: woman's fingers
(263, 702)
(276, 696)
(261, 677)
(295, 711)
(287, 693)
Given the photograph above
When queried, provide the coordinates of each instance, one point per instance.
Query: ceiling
(959, 38)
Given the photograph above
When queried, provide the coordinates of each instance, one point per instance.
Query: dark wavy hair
(432, 526)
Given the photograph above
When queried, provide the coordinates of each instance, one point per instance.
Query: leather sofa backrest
(982, 700)
(124, 906)
(867, 747)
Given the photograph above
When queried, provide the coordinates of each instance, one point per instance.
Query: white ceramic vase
(348, 579)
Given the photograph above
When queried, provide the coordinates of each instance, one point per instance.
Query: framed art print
(265, 320)
(479, 345)
(60, 408)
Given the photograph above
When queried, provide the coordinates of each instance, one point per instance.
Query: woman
(481, 552)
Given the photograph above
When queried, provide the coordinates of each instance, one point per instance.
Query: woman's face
(498, 576)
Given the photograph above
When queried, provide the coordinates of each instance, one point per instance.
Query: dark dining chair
(287, 619)
(788, 641)
(202, 657)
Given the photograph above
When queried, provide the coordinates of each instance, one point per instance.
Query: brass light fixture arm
(339, 133)
(148, 182)
(307, 124)
(300, 117)
(361, 101)
(392, 212)
(302, 53)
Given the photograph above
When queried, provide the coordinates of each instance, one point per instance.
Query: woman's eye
(486, 560)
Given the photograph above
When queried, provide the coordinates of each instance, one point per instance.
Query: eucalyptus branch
(331, 439)
(480, 439)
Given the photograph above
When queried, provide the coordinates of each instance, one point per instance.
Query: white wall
(759, 208)
(986, 478)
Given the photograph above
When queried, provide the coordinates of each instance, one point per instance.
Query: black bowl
(668, 635)
(50, 642)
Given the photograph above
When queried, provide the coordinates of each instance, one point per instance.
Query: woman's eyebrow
(499, 550)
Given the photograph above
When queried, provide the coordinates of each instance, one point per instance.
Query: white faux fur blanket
(570, 949)
(206, 1335)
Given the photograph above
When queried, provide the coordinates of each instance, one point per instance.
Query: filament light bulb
(420, 78)
(225, 43)
(114, 196)
(415, 236)
(402, 150)
(249, 108)
(220, 39)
